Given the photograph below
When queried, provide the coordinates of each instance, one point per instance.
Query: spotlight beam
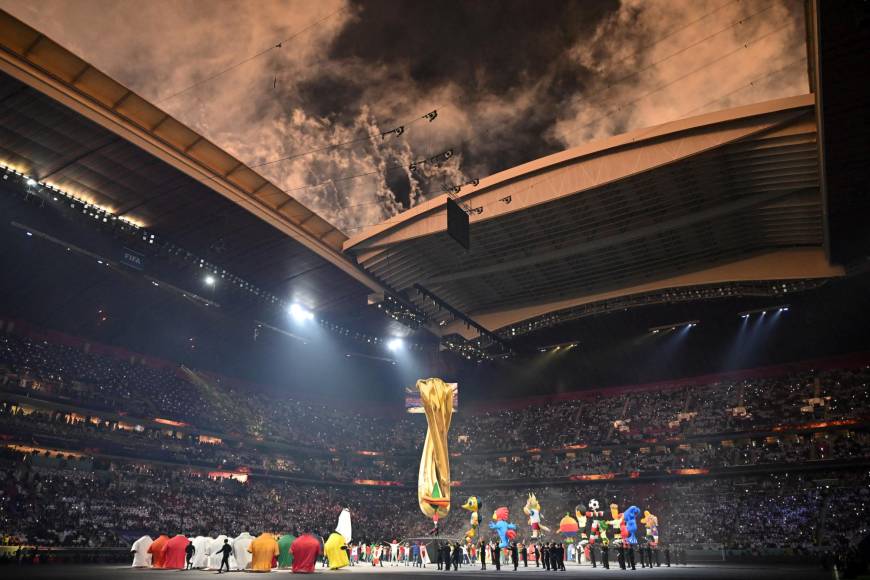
(765, 310)
(674, 326)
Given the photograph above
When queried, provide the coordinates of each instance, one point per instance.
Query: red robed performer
(305, 549)
(176, 553)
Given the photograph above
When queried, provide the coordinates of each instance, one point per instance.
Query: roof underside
(58, 146)
(608, 222)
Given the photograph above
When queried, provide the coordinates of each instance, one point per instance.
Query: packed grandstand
(618, 335)
(103, 445)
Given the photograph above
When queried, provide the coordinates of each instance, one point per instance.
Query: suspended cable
(397, 131)
(684, 49)
(507, 199)
(678, 79)
(254, 56)
(412, 167)
(751, 83)
(677, 30)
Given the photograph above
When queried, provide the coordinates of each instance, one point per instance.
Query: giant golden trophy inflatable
(433, 483)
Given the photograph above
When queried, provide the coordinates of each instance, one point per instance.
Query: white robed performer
(344, 527)
(214, 556)
(141, 557)
(200, 557)
(240, 550)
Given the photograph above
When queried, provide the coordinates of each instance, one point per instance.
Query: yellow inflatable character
(472, 505)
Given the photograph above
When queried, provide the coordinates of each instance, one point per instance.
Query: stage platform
(690, 572)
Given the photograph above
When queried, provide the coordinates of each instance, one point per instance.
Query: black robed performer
(620, 556)
(225, 552)
(605, 556)
(482, 551)
(524, 554)
(592, 555)
(495, 556)
(515, 556)
(631, 557)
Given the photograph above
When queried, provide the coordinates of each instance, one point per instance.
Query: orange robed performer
(158, 551)
(265, 550)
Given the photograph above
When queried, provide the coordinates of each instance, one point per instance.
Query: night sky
(512, 80)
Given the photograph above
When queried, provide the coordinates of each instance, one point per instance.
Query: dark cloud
(489, 46)
(512, 80)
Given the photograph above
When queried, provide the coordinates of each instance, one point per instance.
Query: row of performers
(589, 526)
(245, 552)
(552, 555)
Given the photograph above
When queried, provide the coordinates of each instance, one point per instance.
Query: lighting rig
(764, 311)
(398, 310)
(672, 295)
(212, 276)
(672, 327)
(487, 346)
(562, 346)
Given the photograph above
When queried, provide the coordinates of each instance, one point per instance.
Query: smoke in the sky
(511, 80)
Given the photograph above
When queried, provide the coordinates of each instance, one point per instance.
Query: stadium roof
(71, 126)
(730, 196)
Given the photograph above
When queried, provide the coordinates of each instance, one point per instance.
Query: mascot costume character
(176, 553)
(568, 527)
(592, 522)
(264, 551)
(506, 531)
(285, 558)
(305, 550)
(200, 555)
(214, 556)
(473, 505)
(141, 557)
(157, 549)
(533, 510)
(617, 522)
(335, 547)
(240, 550)
(630, 519)
(652, 528)
(433, 481)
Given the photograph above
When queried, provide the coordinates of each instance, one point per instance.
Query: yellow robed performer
(335, 546)
(433, 482)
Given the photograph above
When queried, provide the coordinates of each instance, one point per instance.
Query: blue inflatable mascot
(506, 530)
(630, 517)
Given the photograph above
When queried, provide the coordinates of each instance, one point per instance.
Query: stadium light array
(300, 313)
(764, 311)
(670, 327)
(395, 344)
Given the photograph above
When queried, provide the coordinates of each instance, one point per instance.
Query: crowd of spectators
(79, 433)
(108, 506)
(107, 383)
(68, 506)
(303, 456)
